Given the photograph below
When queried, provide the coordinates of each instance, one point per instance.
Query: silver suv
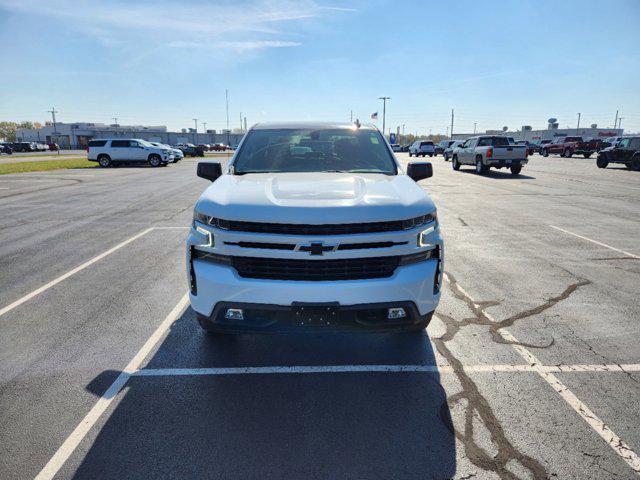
(422, 147)
(128, 150)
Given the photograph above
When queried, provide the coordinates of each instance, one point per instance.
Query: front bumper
(314, 316)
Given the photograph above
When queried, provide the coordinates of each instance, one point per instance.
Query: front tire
(545, 152)
(104, 161)
(635, 163)
(155, 161)
(567, 153)
(455, 164)
(601, 162)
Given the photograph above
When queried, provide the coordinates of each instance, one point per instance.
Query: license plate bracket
(315, 313)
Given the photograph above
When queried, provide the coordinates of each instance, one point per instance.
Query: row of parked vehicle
(487, 151)
(11, 147)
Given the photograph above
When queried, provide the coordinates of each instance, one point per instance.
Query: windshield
(305, 150)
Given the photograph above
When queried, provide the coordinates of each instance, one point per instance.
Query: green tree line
(8, 129)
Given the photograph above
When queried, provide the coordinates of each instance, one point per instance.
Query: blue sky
(497, 63)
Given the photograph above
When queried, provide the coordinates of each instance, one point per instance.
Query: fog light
(395, 313)
(234, 314)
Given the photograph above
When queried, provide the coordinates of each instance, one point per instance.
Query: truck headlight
(207, 237)
(423, 237)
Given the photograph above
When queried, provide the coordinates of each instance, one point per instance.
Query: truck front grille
(315, 270)
(326, 229)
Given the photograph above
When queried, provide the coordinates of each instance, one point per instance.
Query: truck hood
(314, 198)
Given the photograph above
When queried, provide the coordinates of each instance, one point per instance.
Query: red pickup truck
(567, 146)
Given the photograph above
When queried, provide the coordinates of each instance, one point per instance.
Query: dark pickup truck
(626, 151)
(568, 146)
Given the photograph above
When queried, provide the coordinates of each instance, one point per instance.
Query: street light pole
(384, 112)
(474, 127)
(53, 112)
(578, 127)
(195, 133)
(226, 97)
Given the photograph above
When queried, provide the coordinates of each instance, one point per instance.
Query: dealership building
(77, 135)
(527, 133)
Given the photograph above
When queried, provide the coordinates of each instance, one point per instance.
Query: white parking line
(71, 443)
(596, 242)
(56, 281)
(297, 369)
(86, 264)
(602, 429)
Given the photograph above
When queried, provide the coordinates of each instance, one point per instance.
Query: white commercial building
(77, 135)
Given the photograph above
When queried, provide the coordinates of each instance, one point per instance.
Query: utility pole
(452, 123)
(226, 97)
(620, 123)
(245, 124)
(204, 127)
(240, 122)
(384, 111)
(351, 116)
(195, 134)
(53, 112)
(474, 127)
(615, 122)
(115, 120)
(578, 127)
(447, 131)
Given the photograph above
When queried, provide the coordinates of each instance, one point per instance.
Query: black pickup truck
(626, 151)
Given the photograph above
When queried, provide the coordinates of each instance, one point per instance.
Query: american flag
(374, 116)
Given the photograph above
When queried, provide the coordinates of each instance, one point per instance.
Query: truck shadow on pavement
(500, 175)
(276, 425)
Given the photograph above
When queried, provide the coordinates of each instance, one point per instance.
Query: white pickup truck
(490, 151)
(314, 226)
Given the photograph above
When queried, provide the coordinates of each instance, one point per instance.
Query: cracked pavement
(513, 282)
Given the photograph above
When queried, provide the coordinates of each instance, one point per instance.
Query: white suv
(128, 150)
(422, 147)
(314, 226)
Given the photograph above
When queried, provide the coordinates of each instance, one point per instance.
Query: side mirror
(419, 170)
(210, 171)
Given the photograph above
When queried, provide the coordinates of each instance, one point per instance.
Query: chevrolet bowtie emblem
(317, 248)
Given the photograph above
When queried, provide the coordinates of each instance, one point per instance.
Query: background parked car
(448, 152)
(442, 146)
(405, 148)
(568, 146)
(177, 153)
(610, 142)
(23, 147)
(531, 147)
(54, 147)
(395, 147)
(191, 150)
(111, 152)
(219, 147)
(626, 151)
(6, 148)
(422, 147)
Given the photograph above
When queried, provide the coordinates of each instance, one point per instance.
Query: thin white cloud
(238, 46)
(239, 26)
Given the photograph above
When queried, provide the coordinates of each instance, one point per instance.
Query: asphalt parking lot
(530, 368)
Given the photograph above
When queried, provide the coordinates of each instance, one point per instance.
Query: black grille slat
(315, 270)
